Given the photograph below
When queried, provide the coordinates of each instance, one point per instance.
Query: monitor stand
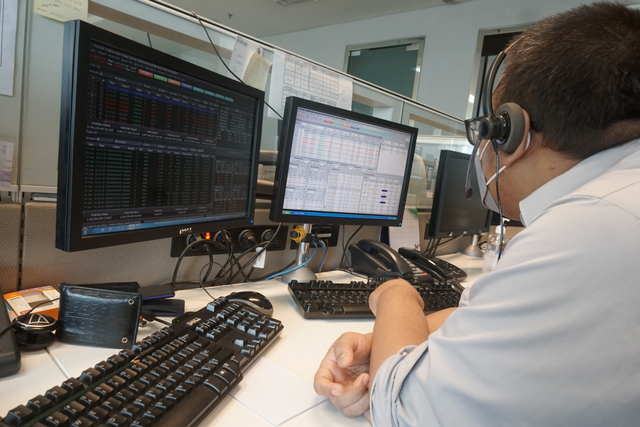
(302, 274)
(473, 249)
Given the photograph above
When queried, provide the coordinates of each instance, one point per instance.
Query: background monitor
(340, 167)
(452, 214)
(150, 146)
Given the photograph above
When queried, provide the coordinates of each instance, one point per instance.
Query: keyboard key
(118, 420)
(176, 396)
(117, 361)
(188, 337)
(104, 367)
(153, 414)
(90, 376)
(89, 400)
(103, 391)
(82, 422)
(112, 404)
(19, 416)
(73, 410)
(140, 368)
(129, 355)
(117, 383)
(184, 388)
(57, 419)
(39, 404)
(125, 396)
(165, 405)
(57, 394)
(131, 411)
(225, 375)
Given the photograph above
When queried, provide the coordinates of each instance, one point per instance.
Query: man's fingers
(351, 394)
(343, 349)
(359, 406)
(324, 383)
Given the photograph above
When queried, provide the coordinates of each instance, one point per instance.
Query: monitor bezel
(78, 36)
(437, 208)
(284, 154)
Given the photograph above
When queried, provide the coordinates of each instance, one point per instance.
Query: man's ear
(508, 159)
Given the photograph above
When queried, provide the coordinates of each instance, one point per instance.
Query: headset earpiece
(512, 117)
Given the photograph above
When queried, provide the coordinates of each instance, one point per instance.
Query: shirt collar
(571, 180)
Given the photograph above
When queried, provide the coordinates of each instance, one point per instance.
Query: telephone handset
(379, 260)
(419, 259)
(435, 266)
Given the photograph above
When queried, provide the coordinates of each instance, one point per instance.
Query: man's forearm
(436, 319)
(399, 322)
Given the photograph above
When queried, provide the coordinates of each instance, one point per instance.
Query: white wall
(451, 34)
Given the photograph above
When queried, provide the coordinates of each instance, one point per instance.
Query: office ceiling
(261, 18)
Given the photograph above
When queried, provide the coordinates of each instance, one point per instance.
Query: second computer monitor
(452, 213)
(340, 167)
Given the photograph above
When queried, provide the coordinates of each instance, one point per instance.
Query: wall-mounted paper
(62, 10)
(293, 76)
(8, 23)
(243, 49)
(257, 72)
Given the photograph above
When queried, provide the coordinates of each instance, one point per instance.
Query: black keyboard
(173, 377)
(320, 299)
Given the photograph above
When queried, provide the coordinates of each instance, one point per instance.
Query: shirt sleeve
(400, 377)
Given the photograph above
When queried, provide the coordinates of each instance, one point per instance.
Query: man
(552, 336)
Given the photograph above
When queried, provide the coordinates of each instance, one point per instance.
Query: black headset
(505, 129)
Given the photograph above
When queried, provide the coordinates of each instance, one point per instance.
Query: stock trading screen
(341, 167)
(162, 148)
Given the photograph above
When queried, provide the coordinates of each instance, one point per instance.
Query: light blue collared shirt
(552, 336)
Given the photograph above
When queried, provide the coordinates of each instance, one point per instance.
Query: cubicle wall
(147, 263)
(9, 245)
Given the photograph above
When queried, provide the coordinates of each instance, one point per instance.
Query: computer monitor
(340, 167)
(151, 146)
(452, 214)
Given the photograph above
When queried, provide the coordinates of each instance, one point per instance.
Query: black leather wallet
(98, 317)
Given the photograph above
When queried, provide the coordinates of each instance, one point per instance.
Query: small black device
(253, 299)
(151, 146)
(34, 331)
(328, 300)
(9, 353)
(156, 292)
(174, 377)
(165, 306)
(453, 214)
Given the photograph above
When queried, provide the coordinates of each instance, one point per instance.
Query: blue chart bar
(160, 99)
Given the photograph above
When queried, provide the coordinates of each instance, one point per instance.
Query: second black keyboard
(173, 377)
(320, 299)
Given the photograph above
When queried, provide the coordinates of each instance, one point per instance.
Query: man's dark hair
(578, 76)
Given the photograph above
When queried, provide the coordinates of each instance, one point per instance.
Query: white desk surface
(299, 349)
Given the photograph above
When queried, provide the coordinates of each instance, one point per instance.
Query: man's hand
(343, 375)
